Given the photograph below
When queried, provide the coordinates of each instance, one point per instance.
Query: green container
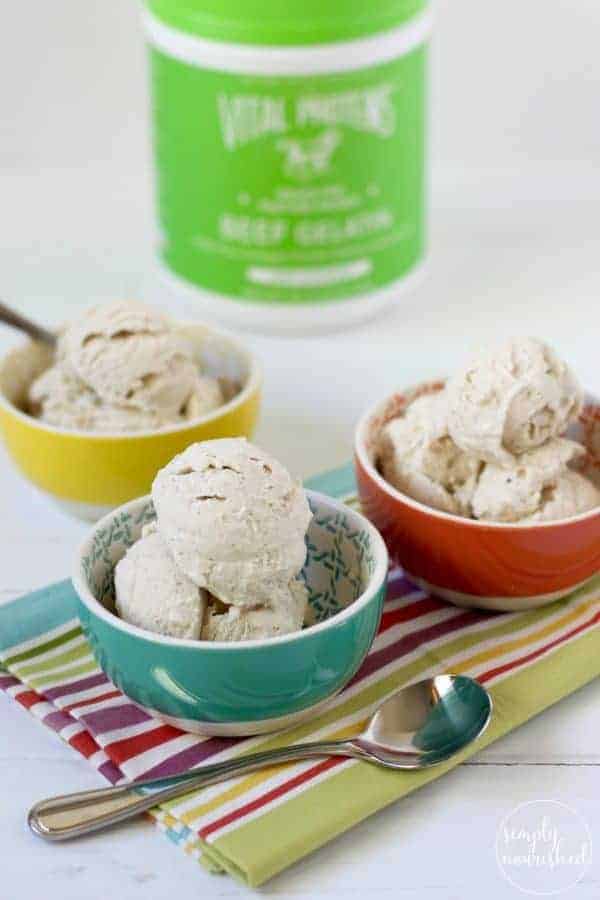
(289, 142)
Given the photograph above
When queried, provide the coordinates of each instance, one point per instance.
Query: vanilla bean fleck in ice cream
(122, 367)
(489, 445)
(228, 547)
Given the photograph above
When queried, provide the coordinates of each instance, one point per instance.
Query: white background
(515, 196)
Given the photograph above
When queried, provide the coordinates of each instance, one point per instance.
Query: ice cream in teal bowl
(245, 687)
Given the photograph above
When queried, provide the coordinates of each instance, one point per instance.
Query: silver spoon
(36, 332)
(418, 726)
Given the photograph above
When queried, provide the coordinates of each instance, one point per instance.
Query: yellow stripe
(527, 640)
(251, 781)
(166, 818)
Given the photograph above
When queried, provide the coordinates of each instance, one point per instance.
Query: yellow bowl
(89, 473)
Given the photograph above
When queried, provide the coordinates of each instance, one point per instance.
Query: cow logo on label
(308, 158)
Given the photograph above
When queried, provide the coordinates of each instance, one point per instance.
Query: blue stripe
(34, 614)
(336, 482)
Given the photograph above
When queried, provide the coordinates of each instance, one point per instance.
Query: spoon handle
(16, 320)
(72, 815)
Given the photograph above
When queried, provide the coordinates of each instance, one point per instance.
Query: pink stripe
(399, 586)
(114, 717)
(57, 720)
(190, 757)
(110, 771)
(83, 684)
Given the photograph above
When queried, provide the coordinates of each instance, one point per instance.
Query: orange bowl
(494, 565)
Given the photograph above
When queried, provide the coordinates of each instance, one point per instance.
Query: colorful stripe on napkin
(254, 826)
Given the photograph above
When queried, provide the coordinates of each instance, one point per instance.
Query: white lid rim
(272, 60)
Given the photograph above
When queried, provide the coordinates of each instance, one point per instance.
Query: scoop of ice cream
(59, 398)
(512, 400)
(120, 368)
(538, 485)
(206, 396)
(222, 560)
(418, 457)
(131, 356)
(233, 518)
(572, 494)
(235, 623)
(152, 593)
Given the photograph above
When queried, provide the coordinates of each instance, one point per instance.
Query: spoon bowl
(418, 726)
(426, 723)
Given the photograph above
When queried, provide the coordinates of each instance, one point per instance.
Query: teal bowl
(249, 687)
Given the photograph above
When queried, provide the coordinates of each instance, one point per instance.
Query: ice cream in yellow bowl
(126, 389)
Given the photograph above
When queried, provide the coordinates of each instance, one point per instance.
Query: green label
(293, 189)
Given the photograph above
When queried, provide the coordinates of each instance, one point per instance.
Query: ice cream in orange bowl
(505, 565)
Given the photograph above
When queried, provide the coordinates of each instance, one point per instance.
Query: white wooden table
(519, 257)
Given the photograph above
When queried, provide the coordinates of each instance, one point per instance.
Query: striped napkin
(257, 825)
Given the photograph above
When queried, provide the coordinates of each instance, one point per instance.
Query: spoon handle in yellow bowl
(36, 332)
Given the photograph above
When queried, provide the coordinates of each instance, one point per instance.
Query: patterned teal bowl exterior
(253, 686)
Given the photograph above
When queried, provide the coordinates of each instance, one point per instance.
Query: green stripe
(50, 680)
(258, 850)
(42, 648)
(62, 659)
